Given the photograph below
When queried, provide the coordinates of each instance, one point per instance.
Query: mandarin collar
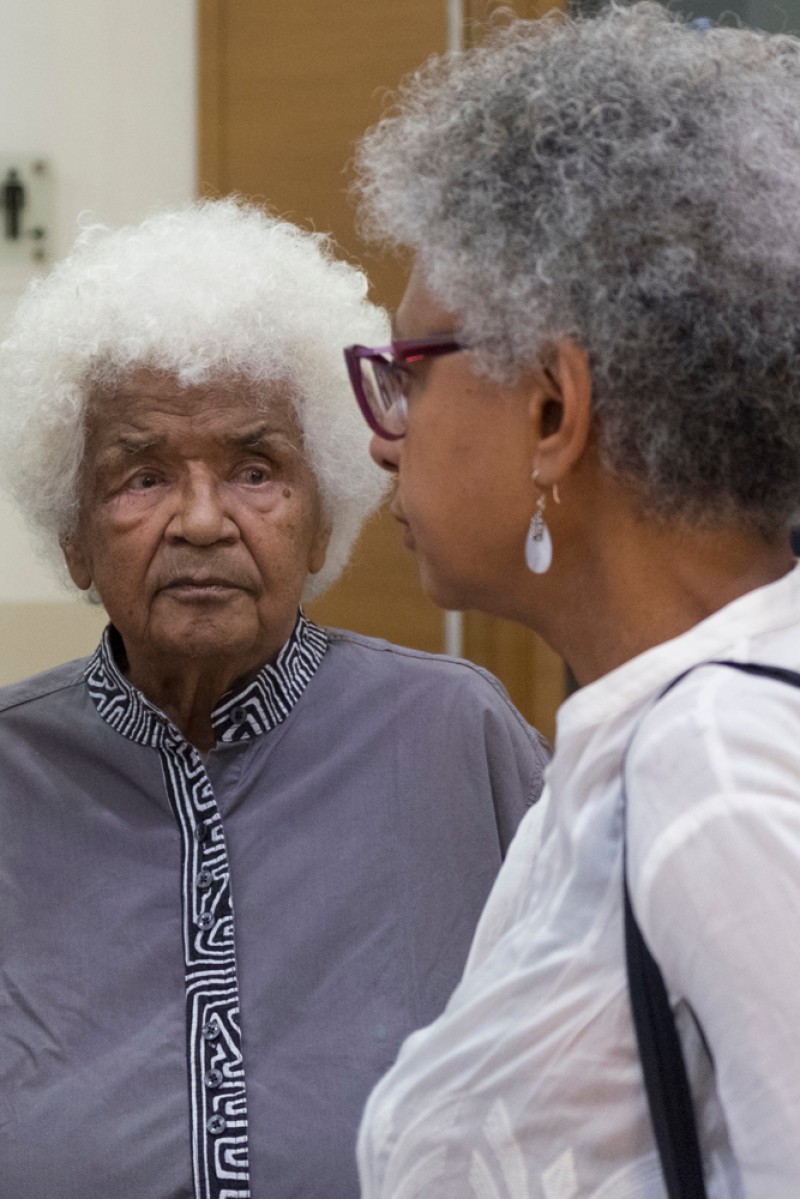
(254, 709)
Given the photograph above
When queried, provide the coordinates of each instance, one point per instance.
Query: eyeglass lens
(384, 394)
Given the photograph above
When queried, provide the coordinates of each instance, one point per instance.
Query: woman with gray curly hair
(591, 407)
(177, 424)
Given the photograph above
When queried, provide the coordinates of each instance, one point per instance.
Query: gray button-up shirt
(205, 965)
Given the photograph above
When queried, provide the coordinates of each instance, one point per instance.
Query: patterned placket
(217, 1092)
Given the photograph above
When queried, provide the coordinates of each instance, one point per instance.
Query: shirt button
(201, 831)
(210, 1030)
(204, 880)
(212, 1078)
(205, 920)
(239, 715)
(215, 1124)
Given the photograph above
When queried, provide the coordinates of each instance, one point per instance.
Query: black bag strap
(665, 1079)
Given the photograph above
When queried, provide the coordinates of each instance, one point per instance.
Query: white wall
(105, 90)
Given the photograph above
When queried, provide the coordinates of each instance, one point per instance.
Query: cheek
(122, 527)
(304, 528)
(426, 491)
(122, 550)
(280, 546)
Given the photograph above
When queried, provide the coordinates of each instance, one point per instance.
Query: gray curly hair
(213, 290)
(631, 182)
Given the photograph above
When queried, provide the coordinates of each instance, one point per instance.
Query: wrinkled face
(199, 519)
(463, 469)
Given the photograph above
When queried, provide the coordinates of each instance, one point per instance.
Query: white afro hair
(213, 290)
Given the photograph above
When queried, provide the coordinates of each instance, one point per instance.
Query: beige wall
(35, 636)
(105, 90)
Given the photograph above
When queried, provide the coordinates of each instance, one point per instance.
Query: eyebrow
(261, 435)
(253, 437)
(131, 445)
(128, 445)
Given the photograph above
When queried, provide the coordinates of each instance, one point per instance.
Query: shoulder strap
(666, 1082)
(779, 673)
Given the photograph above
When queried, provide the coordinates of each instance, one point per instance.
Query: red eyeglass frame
(398, 352)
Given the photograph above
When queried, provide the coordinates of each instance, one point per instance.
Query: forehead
(419, 313)
(146, 403)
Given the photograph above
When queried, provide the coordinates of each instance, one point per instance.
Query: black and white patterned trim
(269, 699)
(256, 708)
(217, 1091)
(217, 1095)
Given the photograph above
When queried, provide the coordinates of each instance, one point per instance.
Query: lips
(396, 512)
(408, 540)
(200, 581)
(203, 586)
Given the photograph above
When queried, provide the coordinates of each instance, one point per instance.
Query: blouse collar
(255, 708)
(726, 632)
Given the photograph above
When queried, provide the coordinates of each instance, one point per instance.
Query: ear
(562, 411)
(319, 549)
(78, 565)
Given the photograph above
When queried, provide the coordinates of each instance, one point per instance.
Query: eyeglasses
(380, 381)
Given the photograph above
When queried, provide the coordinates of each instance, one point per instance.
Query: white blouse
(529, 1086)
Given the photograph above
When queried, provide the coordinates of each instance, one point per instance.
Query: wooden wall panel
(285, 92)
(295, 87)
(479, 13)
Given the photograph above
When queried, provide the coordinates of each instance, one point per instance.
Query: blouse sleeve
(714, 862)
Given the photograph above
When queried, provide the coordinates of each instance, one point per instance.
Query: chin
(496, 598)
(453, 595)
(203, 639)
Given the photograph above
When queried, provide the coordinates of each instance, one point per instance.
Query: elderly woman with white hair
(592, 409)
(242, 856)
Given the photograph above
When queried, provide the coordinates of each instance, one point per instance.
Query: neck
(688, 576)
(188, 692)
(622, 583)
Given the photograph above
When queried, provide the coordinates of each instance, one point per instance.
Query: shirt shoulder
(717, 756)
(454, 713)
(43, 686)
(439, 671)
(719, 721)
(713, 809)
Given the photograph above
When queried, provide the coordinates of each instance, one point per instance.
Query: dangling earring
(538, 544)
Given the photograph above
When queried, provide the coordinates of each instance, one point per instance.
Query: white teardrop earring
(538, 544)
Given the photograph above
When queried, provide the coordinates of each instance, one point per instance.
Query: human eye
(255, 474)
(144, 480)
(407, 381)
(392, 382)
(399, 376)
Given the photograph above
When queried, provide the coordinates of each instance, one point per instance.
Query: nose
(385, 453)
(200, 516)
